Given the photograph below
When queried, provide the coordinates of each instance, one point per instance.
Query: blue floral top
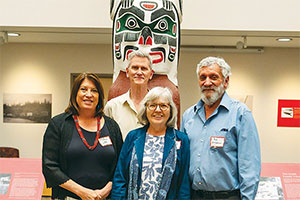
(152, 166)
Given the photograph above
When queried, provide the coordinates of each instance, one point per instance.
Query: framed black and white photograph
(27, 108)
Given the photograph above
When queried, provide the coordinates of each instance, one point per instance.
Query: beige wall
(267, 15)
(46, 68)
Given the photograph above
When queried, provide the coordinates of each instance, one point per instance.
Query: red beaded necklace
(81, 134)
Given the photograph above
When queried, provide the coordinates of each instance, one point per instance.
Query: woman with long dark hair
(81, 146)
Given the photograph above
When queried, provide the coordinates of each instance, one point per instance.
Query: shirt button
(199, 154)
(198, 169)
(199, 183)
(204, 126)
(201, 140)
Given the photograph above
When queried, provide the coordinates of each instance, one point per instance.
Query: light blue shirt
(237, 164)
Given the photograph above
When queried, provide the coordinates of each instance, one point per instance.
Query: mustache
(208, 88)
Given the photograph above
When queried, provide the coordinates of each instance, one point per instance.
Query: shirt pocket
(230, 140)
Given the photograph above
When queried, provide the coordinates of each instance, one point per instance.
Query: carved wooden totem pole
(154, 27)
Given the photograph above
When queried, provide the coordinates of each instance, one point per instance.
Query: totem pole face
(149, 25)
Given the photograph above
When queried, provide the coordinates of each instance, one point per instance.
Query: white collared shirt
(123, 111)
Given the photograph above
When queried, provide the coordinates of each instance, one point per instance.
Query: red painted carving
(149, 41)
(148, 6)
(117, 46)
(173, 49)
(118, 25)
(174, 29)
(127, 53)
(141, 40)
(158, 60)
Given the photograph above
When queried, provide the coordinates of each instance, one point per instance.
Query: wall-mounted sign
(288, 113)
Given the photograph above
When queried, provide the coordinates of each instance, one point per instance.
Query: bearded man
(224, 143)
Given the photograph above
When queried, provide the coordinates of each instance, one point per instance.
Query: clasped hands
(93, 195)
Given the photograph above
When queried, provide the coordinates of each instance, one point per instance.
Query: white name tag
(105, 141)
(178, 144)
(217, 141)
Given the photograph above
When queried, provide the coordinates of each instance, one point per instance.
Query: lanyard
(81, 134)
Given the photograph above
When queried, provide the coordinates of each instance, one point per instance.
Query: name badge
(217, 141)
(178, 144)
(105, 141)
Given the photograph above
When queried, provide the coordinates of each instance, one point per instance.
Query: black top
(57, 142)
(91, 169)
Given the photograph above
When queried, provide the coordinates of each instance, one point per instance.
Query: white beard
(218, 92)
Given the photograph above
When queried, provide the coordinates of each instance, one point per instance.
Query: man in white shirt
(123, 109)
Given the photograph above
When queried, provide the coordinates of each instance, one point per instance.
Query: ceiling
(189, 38)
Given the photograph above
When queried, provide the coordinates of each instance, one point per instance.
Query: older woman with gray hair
(154, 160)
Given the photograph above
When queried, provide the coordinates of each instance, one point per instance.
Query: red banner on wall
(288, 113)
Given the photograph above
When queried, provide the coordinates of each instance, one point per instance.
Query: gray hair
(139, 53)
(209, 61)
(155, 93)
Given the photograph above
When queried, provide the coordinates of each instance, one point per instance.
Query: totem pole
(154, 27)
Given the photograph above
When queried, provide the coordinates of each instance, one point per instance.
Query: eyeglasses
(162, 106)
